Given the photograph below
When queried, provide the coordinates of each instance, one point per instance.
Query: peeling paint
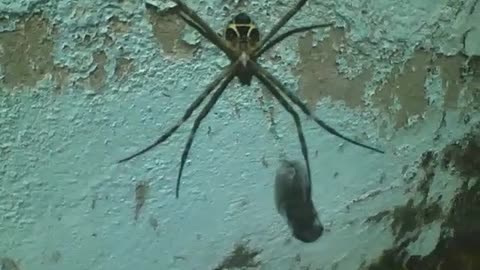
(408, 68)
(404, 93)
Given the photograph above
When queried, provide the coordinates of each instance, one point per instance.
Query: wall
(85, 83)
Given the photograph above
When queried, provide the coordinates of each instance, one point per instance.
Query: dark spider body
(242, 46)
(242, 36)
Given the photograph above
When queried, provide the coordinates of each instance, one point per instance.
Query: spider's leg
(192, 107)
(203, 113)
(283, 21)
(207, 32)
(293, 113)
(283, 36)
(197, 27)
(257, 69)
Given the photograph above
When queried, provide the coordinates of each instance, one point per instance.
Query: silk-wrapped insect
(293, 200)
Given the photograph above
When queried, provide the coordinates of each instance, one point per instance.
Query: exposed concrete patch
(115, 25)
(167, 29)
(26, 52)
(319, 77)
(405, 86)
(98, 76)
(451, 73)
(60, 77)
(473, 67)
(123, 67)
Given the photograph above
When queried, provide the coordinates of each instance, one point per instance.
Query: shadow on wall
(241, 256)
(8, 264)
(459, 244)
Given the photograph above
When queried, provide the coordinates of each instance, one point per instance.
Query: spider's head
(242, 34)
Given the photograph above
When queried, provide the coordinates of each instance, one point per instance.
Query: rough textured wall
(85, 83)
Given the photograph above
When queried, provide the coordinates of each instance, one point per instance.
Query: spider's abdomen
(242, 34)
(243, 72)
(244, 78)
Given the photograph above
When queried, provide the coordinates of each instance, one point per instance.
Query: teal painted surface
(59, 151)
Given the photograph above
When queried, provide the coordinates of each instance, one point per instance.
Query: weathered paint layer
(86, 83)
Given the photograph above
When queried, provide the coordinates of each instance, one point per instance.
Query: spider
(243, 46)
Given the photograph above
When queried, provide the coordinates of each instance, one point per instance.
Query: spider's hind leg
(273, 90)
(260, 73)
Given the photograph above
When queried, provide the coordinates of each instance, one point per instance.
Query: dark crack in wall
(242, 256)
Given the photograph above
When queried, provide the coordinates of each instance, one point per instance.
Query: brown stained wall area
(26, 53)
(167, 29)
(319, 78)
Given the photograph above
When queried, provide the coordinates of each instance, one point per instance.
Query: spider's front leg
(192, 19)
(267, 46)
(283, 21)
(267, 43)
